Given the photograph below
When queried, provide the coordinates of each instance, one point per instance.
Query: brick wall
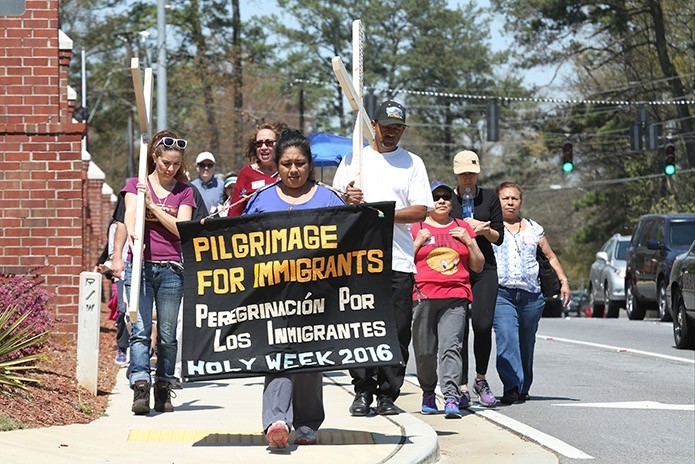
(41, 180)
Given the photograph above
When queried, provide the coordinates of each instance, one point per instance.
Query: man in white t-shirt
(389, 173)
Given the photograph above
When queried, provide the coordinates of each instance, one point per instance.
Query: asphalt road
(607, 391)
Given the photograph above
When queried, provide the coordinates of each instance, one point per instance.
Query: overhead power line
(464, 96)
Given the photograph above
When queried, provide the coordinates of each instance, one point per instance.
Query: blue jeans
(517, 314)
(161, 285)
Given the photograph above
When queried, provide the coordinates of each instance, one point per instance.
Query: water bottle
(467, 204)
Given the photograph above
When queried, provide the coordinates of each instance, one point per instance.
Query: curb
(418, 444)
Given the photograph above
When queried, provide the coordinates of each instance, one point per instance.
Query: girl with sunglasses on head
(168, 200)
(445, 249)
(262, 168)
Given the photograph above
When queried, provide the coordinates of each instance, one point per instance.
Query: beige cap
(205, 156)
(466, 161)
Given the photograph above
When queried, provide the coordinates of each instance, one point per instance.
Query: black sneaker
(141, 398)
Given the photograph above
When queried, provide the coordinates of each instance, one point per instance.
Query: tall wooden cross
(143, 99)
(353, 88)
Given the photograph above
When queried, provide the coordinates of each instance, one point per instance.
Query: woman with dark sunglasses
(168, 200)
(445, 249)
(262, 168)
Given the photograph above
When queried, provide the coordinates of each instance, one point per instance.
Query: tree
(207, 47)
(637, 37)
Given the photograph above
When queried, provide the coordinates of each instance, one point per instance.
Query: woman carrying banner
(262, 168)
(519, 300)
(168, 200)
(292, 400)
(445, 248)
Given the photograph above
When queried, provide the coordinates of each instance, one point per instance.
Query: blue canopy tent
(329, 149)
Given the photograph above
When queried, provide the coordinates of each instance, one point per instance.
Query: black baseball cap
(390, 112)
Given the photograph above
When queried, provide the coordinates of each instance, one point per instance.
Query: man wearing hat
(207, 184)
(489, 228)
(388, 173)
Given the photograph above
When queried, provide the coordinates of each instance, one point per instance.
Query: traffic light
(567, 157)
(670, 159)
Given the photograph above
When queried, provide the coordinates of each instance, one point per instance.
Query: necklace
(514, 236)
(291, 204)
(162, 200)
(511, 231)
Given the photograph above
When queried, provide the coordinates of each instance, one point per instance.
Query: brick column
(41, 201)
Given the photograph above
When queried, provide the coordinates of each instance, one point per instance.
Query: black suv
(656, 241)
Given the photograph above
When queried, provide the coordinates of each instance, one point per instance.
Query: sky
(541, 77)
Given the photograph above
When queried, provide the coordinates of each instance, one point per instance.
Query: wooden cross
(143, 99)
(353, 88)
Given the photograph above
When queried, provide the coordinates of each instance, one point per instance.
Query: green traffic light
(670, 169)
(567, 167)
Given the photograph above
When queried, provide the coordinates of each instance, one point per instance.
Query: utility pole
(301, 109)
(161, 66)
(85, 113)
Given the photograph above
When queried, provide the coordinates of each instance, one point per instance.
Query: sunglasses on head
(171, 142)
(441, 196)
(268, 143)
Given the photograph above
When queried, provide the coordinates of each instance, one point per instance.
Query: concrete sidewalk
(220, 421)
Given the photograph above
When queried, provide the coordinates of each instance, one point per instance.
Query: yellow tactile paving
(230, 437)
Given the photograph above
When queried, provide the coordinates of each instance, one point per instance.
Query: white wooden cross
(143, 98)
(353, 89)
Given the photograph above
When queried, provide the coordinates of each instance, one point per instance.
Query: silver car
(607, 277)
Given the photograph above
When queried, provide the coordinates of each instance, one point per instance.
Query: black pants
(122, 334)
(388, 380)
(484, 285)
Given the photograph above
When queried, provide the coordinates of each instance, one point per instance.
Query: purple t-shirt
(160, 243)
(266, 200)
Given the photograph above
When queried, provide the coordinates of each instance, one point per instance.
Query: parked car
(681, 296)
(656, 241)
(578, 302)
(607, 277)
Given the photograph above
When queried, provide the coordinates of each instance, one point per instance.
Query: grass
(7, 424)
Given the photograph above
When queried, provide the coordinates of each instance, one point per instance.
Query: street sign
(13, 7)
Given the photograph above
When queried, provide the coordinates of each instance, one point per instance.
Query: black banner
(303, 290)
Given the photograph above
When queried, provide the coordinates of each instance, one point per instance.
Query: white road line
(539, 437)
(616, 348)
(520, 428)
(633, 405)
